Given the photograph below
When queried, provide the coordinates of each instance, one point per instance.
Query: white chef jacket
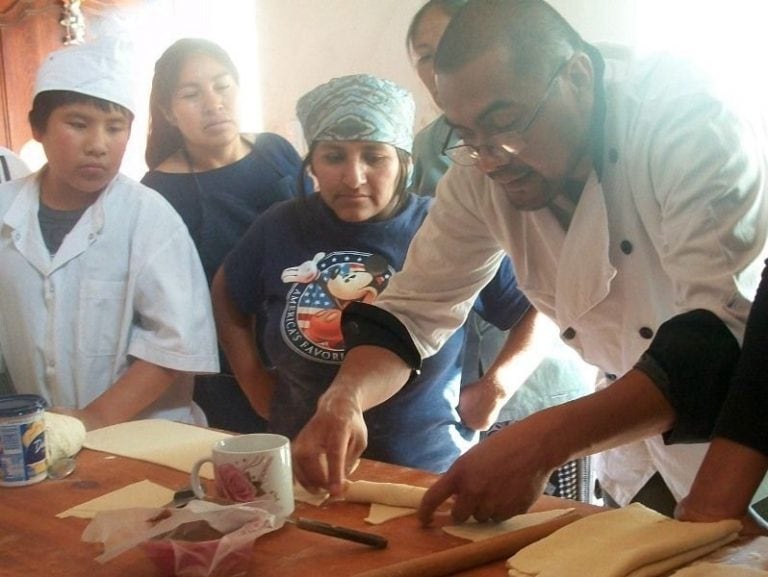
(126, 283)
(11, 165)
(675, 222)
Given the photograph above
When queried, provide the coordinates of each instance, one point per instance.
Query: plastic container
(22, 440)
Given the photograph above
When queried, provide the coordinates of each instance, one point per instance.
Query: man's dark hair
(531, 31)
(46, 102)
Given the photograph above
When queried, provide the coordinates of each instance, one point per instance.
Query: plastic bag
(201, 540)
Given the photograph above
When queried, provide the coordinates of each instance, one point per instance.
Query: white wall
(303, 43)
(306, 42)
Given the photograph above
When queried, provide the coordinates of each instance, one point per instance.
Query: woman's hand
(330, 444)
(481, 402)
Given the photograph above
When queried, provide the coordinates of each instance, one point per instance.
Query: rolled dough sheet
(394, 494)
(719, 570)
(140, 494)
(175, 445)
(475, 531)
(633, 541)
(388, 500)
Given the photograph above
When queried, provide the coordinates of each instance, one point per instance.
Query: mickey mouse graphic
(330, 282)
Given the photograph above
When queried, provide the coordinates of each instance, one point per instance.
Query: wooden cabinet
(30, 29)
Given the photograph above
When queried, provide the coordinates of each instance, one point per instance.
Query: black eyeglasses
(509, 142)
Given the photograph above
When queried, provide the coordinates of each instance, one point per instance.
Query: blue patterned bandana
(358, 107)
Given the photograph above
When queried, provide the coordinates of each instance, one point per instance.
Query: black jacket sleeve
(365, 324)
(691, 360)
(743, 418)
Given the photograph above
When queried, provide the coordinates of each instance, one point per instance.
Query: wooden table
(34, 542)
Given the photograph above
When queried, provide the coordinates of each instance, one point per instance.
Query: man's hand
(689, 509)
(499, 478)
(709, 500)
(481, 402)
(330, 444)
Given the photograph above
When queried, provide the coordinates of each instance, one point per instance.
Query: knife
(184, 496)
(181, 498)
(370, 539)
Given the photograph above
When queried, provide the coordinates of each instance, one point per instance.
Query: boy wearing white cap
(104, 307)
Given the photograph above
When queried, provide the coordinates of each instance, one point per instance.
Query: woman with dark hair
(305, 261)
(422, 38)
(217, 178)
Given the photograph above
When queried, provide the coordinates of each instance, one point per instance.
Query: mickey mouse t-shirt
(296, 269)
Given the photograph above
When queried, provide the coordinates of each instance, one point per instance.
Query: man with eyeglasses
(632, 201)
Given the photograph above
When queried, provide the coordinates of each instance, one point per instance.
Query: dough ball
(64, 436)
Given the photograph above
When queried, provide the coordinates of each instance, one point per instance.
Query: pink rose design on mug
(234, 484)
(246, 468)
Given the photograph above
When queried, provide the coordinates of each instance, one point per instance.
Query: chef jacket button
(613, 155)
(17, 236)
(610, 376)
(646, 333)
(569, 333)
(626, 247)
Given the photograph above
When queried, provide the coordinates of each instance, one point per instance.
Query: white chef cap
(102, 68)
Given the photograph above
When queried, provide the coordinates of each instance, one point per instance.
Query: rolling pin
(472, 554)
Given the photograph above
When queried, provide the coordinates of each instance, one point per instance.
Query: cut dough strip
(474, 531)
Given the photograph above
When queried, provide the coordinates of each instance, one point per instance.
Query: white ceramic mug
(250, 468)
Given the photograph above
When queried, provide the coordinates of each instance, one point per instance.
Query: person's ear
(580, 73)
(311, 174)
(37, 134)
(169, 117)
(579, 78)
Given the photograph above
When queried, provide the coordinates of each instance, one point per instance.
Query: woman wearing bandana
(305, 260)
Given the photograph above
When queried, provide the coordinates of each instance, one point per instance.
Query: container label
(22, 452)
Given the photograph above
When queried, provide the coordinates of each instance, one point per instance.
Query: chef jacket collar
(597, 127)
